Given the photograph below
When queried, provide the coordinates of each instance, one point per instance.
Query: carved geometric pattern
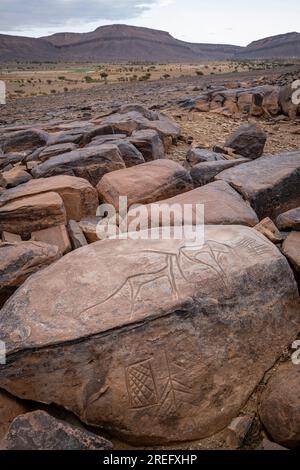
(140, 384)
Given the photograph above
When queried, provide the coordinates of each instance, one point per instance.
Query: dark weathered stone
(205, 172)
(248, 141)
(149, 144)
(289, 220)
(40, 431)
(271, 183)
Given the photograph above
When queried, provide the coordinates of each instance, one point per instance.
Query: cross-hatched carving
(141, 385)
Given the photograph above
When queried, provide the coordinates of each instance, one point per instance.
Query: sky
(214, 21)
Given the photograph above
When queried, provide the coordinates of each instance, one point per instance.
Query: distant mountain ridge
(128, 43)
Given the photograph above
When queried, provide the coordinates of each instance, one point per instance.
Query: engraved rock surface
(79, 197)
(148, 351)
(271, 183)
(145, 183)
(40, 431)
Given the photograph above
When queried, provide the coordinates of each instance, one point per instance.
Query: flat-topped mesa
(146, 333)
(79, 197)
(270, 183)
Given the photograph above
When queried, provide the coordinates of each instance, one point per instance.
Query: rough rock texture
(145, 183)
(79, 197)
(28, 214)
(23, 140)
(88, 226)
(57, 236)
(237, 431)
(204, 173)
(40, 431)
(19, 260)
(222, 206)
(271, 183)
(44, 153)
(90, 163)
(280, 410)
(248, 141)
(10, 408)
(76, 235)
(291, 249)
(149, 144)
(147, 351)
(289, 220)
(14, 177)
(197, 155)
(269, 230)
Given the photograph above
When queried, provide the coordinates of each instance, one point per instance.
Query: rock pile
(152, 340)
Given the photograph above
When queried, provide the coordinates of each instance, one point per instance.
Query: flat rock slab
(19, 260)
(79, 197)
(147, 333)
(222, 206)
(14, 177)
(40, 431)
(90, 163)
(23, 140)
(289, 220)
(28, 214)
(271, 183)
(145, 183)
(279, 409)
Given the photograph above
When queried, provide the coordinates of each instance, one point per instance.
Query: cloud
(20, 15)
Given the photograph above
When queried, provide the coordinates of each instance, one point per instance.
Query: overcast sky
(216, 21)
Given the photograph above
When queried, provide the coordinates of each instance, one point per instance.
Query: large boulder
(23, 140)
(145, 183)
(144, 337)
(222, 206)
(19, 260)
(25, 215)
(248, 141)
(79, 197)
(204, 173)
(280, 406)
(271, 183)
(90, 163)
(40, 431)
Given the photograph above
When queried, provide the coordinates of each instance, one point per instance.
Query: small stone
(269, 230)
(11, 237)
(237, 431)
(76, 235)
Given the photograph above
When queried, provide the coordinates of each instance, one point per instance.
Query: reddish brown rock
(11, 237)
(40, 431)
(237, 431)
(19, 260)
(269, 230)
(57, 236)
(14, 177)
(146, 333)
(79, 197)
(89, 228)
(291, 249)
(145, 183)
(28, 214)
(222, 206)
(90, 163)
(10, 408)
(280, 406)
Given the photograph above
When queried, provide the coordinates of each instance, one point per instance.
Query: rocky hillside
(125, 43)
